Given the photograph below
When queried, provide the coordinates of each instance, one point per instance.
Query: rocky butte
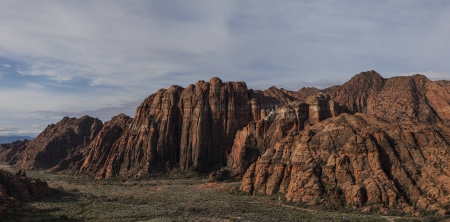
(375, 144)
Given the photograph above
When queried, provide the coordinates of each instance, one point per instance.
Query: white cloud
(127, 50)
(7, 128)
(7, 65)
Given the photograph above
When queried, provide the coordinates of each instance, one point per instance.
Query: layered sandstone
(358, 90)
(254, 139)
(17, 188)
(191, 128)
(90, 159)
(56, 142)
(303, 93)
(213, 124)
(402, 98)
(360, 161)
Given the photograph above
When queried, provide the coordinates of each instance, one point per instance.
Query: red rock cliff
(193, 127)
(402, 98)
(258, 136)
(89, 159)
(358, 161)
(56, 142)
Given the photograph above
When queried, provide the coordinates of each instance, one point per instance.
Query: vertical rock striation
(88, 159)
(191, 128)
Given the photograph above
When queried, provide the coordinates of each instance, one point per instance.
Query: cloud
(93, 56)
(7, 128)
(129, 45)
(7, 65)
(104, 113)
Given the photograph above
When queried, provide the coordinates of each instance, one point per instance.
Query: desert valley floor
(178, 196)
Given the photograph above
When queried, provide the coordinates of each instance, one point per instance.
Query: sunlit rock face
(359, 161)
(192, 128)
(403, 98)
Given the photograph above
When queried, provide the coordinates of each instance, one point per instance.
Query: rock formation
(375, 143)
(8, 150)
(402, 98)
(15, 189)
(358, 90)
(191, 128)
(303, 93)
(89, 159)
(360, 161)
(56, 142)
(254, 139)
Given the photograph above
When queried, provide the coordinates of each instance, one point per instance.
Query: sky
(102, 58)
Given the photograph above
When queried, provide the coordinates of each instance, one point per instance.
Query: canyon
(374, 144)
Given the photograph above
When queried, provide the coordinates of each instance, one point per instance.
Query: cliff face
(358, 90)
(358, 161)
(309, 145)
(214, 124)
(17, 188)
(193, 127)
(403, 98)
(8, 150)
(258, 136)
(413, 98)
(56, 142)
(89, 159)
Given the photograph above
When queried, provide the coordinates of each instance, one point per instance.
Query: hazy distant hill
(9, 139)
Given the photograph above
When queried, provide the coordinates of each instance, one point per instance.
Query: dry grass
(177, 197)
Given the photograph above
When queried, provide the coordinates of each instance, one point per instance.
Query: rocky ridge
(8, 150)
(358, 161)
(15, 189)
(56, 142)
(190, 128)
(87, 159)
(258, 136)
(382, 155)
(402, 98)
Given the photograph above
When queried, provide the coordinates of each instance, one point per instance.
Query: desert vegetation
(177, 196)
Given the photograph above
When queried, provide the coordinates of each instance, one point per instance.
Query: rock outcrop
(8, 150)
(402, 98)
(303, 93)
(358, 161)
(191, 128)
(254, 139)
(56, 142)
(213, 124)
(378, 144)
(90, 159)
(358, 90)
(14, 189)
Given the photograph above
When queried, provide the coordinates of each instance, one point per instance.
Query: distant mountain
(10, 139)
